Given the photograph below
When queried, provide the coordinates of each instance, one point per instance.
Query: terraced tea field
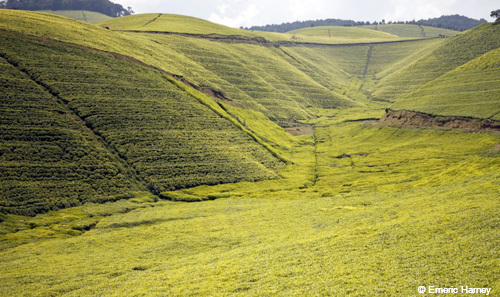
(164, 149)
(453, 53)
(303, 187)
(342, 35)
(409, 30)
(471, 90)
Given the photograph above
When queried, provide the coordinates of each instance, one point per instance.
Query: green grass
(49, 160)
(80, 15)
(408, 30)
(168, 137)
(453, 53)
(349, 69)
(470, 90)
(350, 208)
(385, 234)
(334, 34)
(172, 23)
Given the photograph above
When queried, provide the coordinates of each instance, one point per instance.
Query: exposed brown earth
(424, 120)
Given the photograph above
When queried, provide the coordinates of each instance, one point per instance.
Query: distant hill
(161, 22)
(286, 27)
(469, 90)
(409, 30)
(80, 15)
(459, 78)
(347, 33)
(452, 22)
(103, 6)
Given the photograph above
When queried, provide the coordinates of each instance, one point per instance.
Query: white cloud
(222, 8)
(242, 19)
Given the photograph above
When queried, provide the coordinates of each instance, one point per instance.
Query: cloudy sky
(246, 13)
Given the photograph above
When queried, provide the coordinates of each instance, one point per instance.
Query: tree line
(452, 22)
(103, 6)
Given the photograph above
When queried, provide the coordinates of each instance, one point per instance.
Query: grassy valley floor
(367, 211)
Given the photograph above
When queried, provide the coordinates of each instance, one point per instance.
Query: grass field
(168, 138)
(452, 53)
(299, 189)
(384, 234)
(331, 34)
(408, 30)
(470, 90)
(172, 23)
(80, 15)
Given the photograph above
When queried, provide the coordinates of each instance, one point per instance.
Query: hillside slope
(162, 22)
(48, 158)
(354, 70)
(408, 30)
(223, 67)
(450, 55)
(471, 90)
(168, 138)
(341, 35)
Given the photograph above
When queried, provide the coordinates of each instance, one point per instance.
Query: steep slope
(48, 158)
(282, 91)
(257, 77)
(349, 69)
(471, 90)
(167, 137)
(451, 54)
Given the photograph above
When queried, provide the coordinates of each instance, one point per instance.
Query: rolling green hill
(171, 23)
(408, 30)
(48, 159)
(451, 54)
(167, 137)
(178, 24)
(351, 69)
(341, 35)
(470, 90)
(80, 15)
(301, 189)
(207, 64)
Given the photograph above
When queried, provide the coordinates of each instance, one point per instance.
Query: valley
(197, 161)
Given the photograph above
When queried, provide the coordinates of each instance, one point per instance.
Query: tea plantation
(168, 138)
(107, 136)
(48, 159)
(451, 54)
